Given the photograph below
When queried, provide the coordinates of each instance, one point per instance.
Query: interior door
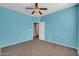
(42, 30)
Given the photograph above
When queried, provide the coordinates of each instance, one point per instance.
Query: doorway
(35, 30)
(39, 30)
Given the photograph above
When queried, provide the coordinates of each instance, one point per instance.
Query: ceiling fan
(36, 9)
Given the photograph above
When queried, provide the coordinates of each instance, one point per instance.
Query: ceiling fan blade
(33, 12)
(36, 5)
(29, 8)
(40, 12)
(43, 8)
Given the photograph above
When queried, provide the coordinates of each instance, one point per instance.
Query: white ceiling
(52, 7)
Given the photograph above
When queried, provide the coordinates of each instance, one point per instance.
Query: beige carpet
(38, 48)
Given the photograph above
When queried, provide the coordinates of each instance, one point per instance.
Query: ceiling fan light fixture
(37, 9)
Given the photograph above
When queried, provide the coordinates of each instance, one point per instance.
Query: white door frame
(41, 30)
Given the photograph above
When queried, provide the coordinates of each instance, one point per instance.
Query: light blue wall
(15, 27)
(60, 27)
(78, 28)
